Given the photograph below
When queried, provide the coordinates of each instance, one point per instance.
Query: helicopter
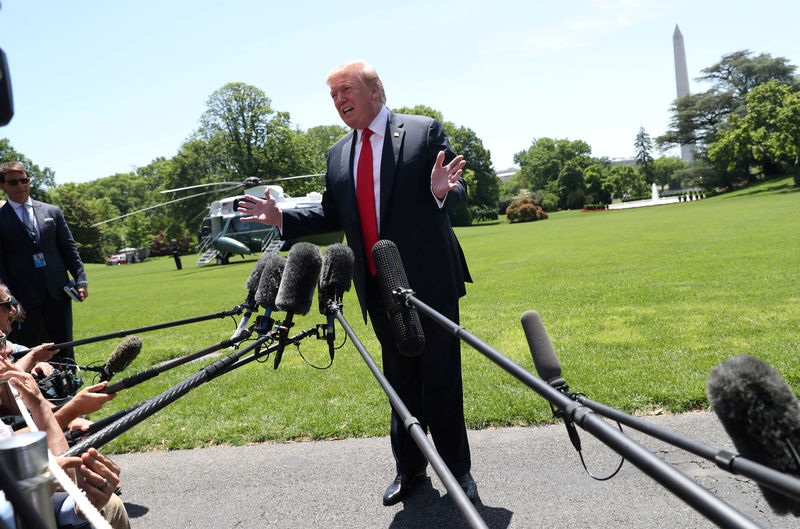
(223, 235)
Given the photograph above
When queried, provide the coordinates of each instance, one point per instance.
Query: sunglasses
(10, 302)
(15, 181)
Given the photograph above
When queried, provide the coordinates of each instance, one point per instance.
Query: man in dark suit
(36, 251)
(394, 177)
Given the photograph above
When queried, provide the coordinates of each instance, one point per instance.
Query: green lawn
(640, 305)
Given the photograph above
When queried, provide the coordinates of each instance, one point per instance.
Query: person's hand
(83, 292)
(444, 178)
(43, 352)
(263, 210)
(79, 424)
(98, 476)
(24, 384)
(42, 369)
(89, 400)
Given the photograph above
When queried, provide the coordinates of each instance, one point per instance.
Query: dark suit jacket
(29, 284)
(409, 215)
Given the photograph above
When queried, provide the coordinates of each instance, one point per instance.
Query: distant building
(505, 174)
(623, 161)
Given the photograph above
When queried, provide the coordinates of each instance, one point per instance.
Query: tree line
(744, 128)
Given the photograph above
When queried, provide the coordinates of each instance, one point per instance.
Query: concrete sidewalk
(527, 477)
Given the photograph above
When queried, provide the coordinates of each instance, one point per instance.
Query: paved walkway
(527, 477)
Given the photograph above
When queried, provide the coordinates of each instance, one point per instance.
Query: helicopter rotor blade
(236, 184)
(164, 204)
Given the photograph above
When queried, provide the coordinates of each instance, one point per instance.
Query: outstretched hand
(444, 178)
(263, 210)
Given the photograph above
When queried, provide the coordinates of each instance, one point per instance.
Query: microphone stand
(700, 499)
(468, 510)
(139, 412)
(121, 334)
(729, 461)
(23, 508)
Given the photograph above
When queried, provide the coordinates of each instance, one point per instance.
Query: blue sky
(103, 87)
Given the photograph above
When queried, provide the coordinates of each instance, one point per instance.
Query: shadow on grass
(778, 189)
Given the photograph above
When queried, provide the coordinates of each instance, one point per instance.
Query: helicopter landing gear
(222, 260)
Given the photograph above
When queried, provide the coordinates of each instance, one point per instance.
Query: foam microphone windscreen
(299, 279)
(124, 354)
(255, 274)
(270, 280)
(336, 275)
(544, 357)
(404, 320)
(761, 415)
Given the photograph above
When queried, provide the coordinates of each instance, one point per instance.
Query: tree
(598, 187)
(80, 217)
(643, 147)
(571, 187)
(769, 133)
(663, 170)
(322, 138)
(697, 118)
(542, 165)
(627, 182)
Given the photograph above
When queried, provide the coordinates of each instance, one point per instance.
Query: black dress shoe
(468, 486)
(401, 486)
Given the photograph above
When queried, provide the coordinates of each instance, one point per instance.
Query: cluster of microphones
(754, 404)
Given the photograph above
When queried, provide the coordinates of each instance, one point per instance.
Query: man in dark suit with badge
(395, 177)
(36, 252)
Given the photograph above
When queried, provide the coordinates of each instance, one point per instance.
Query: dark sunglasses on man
(14, 181)
(10, 302)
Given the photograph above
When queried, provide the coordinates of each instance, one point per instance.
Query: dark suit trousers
(50, 322)
(430, 387)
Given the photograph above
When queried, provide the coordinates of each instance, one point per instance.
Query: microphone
(544, 357)
(762, 416)
(334, 281)
(404, 319)
(251, 285)
(547, 366)
(270, 281)
(296, 292)
(121, 357)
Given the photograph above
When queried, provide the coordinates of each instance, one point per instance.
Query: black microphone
(251, 285)
(544, 357)
(296, 293)
(762, 416)
(334, 281)
(404, 319)
(269, 282)
(547, 366)
(121, 357)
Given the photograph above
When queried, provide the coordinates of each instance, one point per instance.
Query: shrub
(525, 210)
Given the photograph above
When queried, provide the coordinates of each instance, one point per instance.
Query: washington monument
(681, 82)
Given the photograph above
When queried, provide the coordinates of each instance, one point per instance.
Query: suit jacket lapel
(392, 142)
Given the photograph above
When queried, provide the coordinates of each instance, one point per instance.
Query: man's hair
(9, 167)
(365, 71)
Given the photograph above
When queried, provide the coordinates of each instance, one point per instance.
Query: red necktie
(365, 193)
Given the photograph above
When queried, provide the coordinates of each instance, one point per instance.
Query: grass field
(640, 305)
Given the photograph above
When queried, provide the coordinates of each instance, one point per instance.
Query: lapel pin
(396, 134)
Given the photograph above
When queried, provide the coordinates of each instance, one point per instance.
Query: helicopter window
(238, 226)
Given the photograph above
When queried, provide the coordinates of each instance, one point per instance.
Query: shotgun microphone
(762, 416)
(334, 281)
(404, 319)
(296, 292)
(270, 282)
(547, 366)
(121, 357)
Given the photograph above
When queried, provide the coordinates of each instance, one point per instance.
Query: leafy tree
(697, 118)
(598, 187)
(136, 231)
(571, 187)
(545, 158)
(80, 216)
(643, 147)
(663, 170)
(322, 139)
(768, 133)
(627, 182)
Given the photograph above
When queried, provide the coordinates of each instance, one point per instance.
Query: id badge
(38, 260)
